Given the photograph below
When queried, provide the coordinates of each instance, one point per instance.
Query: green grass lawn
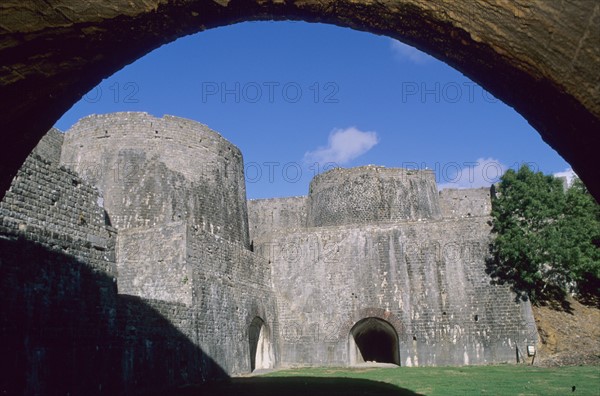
(471, 380)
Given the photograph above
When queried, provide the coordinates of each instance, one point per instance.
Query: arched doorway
(261, 351)
(373, 340)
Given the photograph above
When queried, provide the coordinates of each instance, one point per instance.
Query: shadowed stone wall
(152, 263)
(232, 287)
(63, 327)
(221, 285)
(50, 147)
(175, 190)
(86, 310)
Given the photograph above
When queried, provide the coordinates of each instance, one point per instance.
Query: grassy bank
(471, 380)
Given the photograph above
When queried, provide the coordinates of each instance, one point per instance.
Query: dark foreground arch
(373, 340)
(541, 57)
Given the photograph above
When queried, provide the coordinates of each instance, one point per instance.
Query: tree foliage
(547, 239)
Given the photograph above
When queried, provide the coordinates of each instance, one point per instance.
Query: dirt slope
(568, 337)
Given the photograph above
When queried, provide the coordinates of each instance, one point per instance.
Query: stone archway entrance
(261, 350)
(373, 340)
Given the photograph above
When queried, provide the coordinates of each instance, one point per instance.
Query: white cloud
(406, 52)
(569, 174)
(481, 173)
(343, 146)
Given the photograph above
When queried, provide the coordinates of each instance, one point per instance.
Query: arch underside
(540, 57)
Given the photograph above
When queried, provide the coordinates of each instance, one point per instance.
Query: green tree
(580, 229)
(545, 238)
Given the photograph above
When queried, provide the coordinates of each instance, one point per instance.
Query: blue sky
(299, 98)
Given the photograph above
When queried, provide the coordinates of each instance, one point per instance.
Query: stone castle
(131, 260)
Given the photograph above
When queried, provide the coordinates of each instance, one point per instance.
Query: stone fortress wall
(269, 216)
(466, 202)
(57, 280)
(131, 261)
(95, 304)
(170, 183)
(414, 259)
(154, 171)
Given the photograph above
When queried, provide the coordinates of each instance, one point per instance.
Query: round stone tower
(372, 194)
(155, 171)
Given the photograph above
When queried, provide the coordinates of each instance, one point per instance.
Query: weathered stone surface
(465, 202)
(418, 274)
(154, 171)
(540, 57)
(49, 148)
(232, 287)
(427, 279)
(152, 263)
(269, 216)
(372, 194)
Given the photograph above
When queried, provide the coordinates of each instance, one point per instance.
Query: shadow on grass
(290, 386)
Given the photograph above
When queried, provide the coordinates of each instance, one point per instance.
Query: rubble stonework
(131, 261)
